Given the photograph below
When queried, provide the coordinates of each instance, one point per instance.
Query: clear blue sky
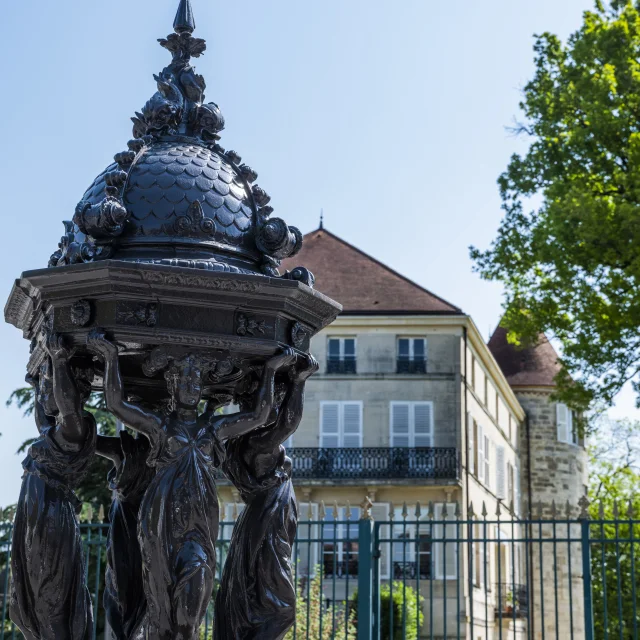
(389, 115)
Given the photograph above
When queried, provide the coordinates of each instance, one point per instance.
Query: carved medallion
(300, 335)
(81, 313)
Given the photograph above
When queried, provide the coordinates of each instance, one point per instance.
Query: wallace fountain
(165, 294)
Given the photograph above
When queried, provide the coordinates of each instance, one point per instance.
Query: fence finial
(322, 512)
(499, 508)
(601, 510)
(418, 510)
(485, 513)
(554, 510)
(616, 510)
(101, 513)
(89, 513)
(457, 512)
(367, 506)
(584, 504)
(235, 511)
(539, 509)
(512, 511)
(568, 510)
(431, 510)
(472, 513)
(631, 510)
(405, 511)
(347, 511)
(336, 510)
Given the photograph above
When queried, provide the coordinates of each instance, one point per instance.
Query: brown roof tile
(361, 283)
(535, 366)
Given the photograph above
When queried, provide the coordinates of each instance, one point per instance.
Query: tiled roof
(534, 366)
(362, 284)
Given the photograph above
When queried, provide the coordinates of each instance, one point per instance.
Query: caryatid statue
(167, 291)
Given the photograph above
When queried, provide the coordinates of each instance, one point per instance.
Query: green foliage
(567, 249)
(311, 610)
(94, 488)
(405, 616)
(615, 569)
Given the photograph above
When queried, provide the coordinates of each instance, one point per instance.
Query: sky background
(390, 116)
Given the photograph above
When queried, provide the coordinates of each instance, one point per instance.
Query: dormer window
(341, 356)
(412, 355)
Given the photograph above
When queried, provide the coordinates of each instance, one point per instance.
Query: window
(340, 425)
(412, 355)
(341, 355)
(486, 449)
(340, 543)
(412, 553)
(471, 453)
(480, 451)
(501, 481)
(473, 372)
(412, 424)
(486, 391)
(340, 438)
(567, 431)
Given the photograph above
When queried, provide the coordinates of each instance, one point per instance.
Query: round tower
(553, 477)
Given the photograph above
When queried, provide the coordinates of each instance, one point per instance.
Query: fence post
(585, 523)
(365, 573)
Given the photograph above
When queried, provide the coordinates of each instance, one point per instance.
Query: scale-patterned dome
(175, 196)
(164, 184)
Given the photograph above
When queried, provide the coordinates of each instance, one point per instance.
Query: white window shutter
(471, 453)
(352, 424)
(446, 562)
(380, 513)
(562, 422)
(501, 491)
(330, 425)
(306, 552)
(400, 428)
(423, 424)
(480, 446)
(487, 461)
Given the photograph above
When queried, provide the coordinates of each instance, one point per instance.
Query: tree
(615, 566)
(567, 248)
(94, 488)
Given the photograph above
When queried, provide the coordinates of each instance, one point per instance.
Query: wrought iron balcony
(345, 366)
(424, 463)
(412, 365)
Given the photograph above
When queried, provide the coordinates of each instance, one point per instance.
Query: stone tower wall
(558, 474)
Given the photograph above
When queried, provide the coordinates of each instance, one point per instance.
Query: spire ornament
(184, 22)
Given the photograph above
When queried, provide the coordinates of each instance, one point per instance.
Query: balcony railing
(345, 366)
(425, 463)
(412, 365)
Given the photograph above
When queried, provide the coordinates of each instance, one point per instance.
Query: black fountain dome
(176, 196)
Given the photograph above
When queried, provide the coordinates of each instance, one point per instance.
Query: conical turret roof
(532, 366)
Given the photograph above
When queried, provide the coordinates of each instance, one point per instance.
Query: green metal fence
(433, 573)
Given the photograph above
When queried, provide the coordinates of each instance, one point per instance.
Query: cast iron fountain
(164, 293)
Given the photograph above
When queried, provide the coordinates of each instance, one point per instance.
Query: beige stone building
(411, 405)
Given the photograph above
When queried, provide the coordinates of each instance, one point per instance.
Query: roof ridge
(385, 267)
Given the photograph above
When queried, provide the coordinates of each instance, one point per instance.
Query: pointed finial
(484, 512)
(184, 22)
(101, 513)
(367, 507)
(418, 510)
(348, 513)
(321, 218)
(405, 511)
(323, 510)
(471, 511)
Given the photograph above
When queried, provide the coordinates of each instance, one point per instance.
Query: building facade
(411, 406)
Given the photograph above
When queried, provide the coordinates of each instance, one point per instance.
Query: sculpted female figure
(124, 600)
(179, 513)
(257, 596)
(50, 600)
